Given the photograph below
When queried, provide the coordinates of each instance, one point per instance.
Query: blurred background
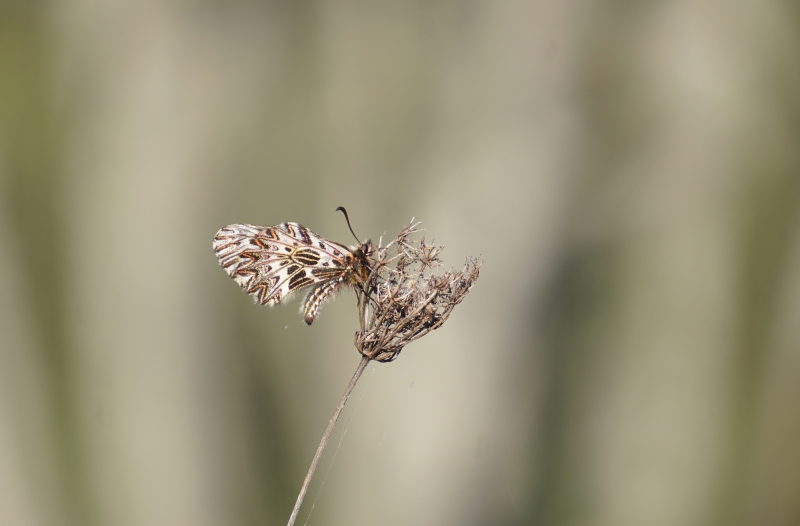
(629, 171)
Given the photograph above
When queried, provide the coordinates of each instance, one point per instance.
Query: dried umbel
(407, 294)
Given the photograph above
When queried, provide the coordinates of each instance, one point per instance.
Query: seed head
(408, 294)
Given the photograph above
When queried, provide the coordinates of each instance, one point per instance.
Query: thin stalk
(361, 366)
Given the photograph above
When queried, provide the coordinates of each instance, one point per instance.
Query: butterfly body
(271, 263)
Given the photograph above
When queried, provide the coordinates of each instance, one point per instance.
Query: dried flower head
(409, 294)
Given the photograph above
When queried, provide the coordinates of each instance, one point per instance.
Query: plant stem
(361, 366)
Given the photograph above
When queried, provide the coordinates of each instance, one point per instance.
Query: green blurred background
(630, 172)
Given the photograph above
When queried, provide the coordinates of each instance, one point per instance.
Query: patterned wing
(271, 263)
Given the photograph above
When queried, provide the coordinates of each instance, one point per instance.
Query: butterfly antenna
(347, 218)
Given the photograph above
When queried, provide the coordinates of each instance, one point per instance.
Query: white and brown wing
(271, 263)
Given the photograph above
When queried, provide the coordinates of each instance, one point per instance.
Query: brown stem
(361, 366)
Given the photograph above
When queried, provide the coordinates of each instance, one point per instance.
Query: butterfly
(273, 262)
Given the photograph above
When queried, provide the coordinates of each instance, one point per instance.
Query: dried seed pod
(407, 294)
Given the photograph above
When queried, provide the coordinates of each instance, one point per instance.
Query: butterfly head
(365, 249)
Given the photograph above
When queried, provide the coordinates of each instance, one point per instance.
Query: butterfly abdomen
(317, 297)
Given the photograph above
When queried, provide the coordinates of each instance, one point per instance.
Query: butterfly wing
(271, 263)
